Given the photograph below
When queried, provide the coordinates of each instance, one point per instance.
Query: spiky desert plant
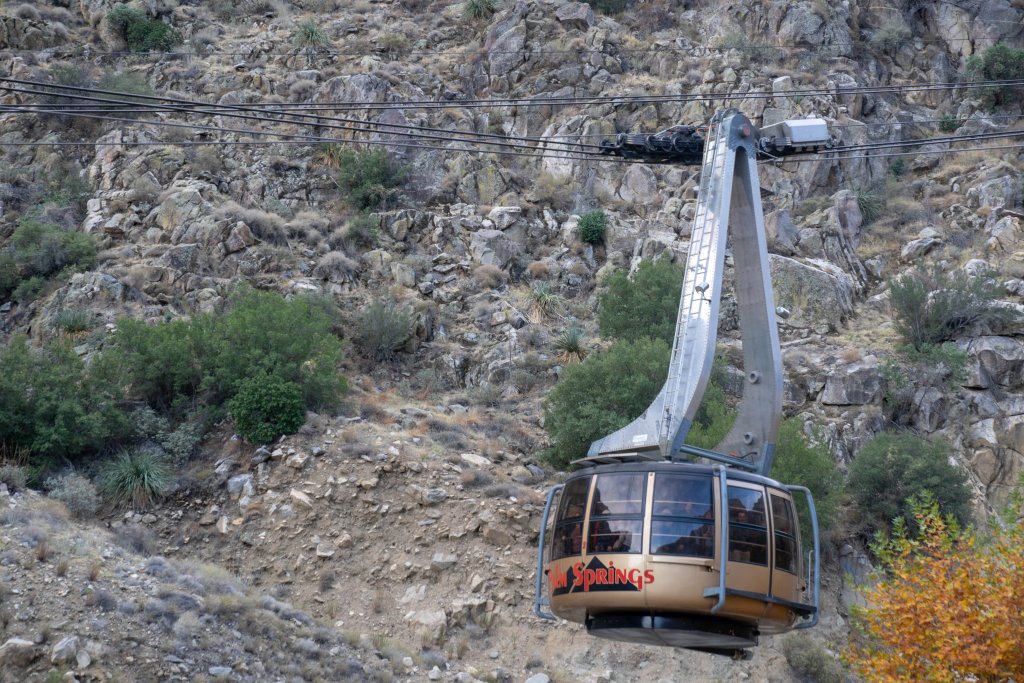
(544, 303)
(309, 34)
(570, 346)
(135, 477)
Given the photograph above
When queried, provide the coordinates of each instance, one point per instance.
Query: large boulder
(857, 384)
(575, 15)
(994, 361)
(816, 293)
(492, 247)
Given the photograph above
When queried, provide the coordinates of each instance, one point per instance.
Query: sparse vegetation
(78, 494)
(570, 346)
(909, 370)
(809, 659)
(934, 306)
(890, 38)
(382, 329)
(479, 9)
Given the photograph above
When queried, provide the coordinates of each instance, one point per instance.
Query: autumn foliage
(949, 608)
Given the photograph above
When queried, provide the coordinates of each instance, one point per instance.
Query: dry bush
(302, 89)
(538, 269)
(553, 191)
(26, 12)
(851, 355)
(266, 226)
(336, 267)
(208, 160)
(306, 224)
(489, 276)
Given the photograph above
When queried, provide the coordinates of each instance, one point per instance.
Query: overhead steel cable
(542, 101)
(313, 139)
(356, 125)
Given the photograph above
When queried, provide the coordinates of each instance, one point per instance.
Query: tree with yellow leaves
(949, 606)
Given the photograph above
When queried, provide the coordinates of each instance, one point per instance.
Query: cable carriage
(656, 541)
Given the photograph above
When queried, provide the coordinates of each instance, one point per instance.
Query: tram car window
(748, 531)
(784, 522)
(568, 539)
(683, 519)
(616, 514)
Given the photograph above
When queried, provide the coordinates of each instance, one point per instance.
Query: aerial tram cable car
(656, 541)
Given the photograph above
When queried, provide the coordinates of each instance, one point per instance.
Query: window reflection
(683, 538)
(682, 496)
(748, 533)
(784, 520)
(568, 537)
(616, 514)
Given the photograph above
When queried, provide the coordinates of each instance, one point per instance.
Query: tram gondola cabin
(636, 552)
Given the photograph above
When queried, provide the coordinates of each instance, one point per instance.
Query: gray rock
(262, 454)
(492, 247)
(220, 670)
(816, 293)
(442, 561)
(856, 384)
(994, 360)
(240, 484)
(575, 15)
(433, 496)
(434, 674)
(65, 650)
(17, 652)
(538, 678)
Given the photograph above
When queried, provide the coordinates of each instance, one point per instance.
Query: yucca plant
(570, 346)
(545, 303)
(309, 34)
(136, 478)
(71, 320)
(479, 9)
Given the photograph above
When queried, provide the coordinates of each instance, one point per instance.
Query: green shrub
(363, 230)
(891, 468)
(810, 660)
(998, 63)
(942, 366)
(592, 225)
(266, 407)
(382, 328)
(136, 478)
(38, 250)
(309, 34)
(78, 494)
(602, 394)
(797, 461)
(931, 307)
(51, 406)
(179, 366)
(948, 123)
(370, 179)
(28, 290)
(479, 9)
(645, 306)
(129, 24)
(609, 6)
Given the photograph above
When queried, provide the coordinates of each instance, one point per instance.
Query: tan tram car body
(644, 540)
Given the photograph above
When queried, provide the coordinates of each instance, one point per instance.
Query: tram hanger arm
(728, 201)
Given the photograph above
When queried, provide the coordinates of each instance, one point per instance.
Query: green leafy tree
(798, 461)
(592, 226)
(51, 406)
(602, 394)
(645, 306)
(891, 468)
(998, 63)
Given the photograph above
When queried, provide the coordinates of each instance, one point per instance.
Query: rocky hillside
(393, 540)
